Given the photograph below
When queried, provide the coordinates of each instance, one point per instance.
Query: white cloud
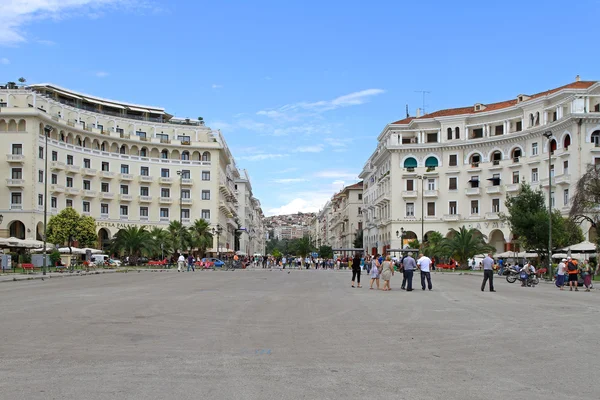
(18, 13)
(310, 149)
(260, 157)
(335, 174)
(101, 74)
(215, 86)
(4, 61)
(298, 205)
(291, 111)
(289, 180)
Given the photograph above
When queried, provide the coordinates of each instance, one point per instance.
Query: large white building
(338, 222)
(455, 167)
(123, 164)
(252, 237)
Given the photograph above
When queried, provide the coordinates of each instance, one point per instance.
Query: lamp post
(47, 130)
(422, 179)
(180, 174)
(217, 231)
(548, 135)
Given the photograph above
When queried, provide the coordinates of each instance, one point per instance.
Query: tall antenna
(423, 92)
(407, 114)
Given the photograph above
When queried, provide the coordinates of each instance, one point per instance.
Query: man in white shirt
(560, 274)
(424, 264)
(180, 263)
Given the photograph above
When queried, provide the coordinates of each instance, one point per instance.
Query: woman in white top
(374, 272)
(560, 274)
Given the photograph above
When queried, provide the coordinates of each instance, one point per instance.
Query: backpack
(571, 266)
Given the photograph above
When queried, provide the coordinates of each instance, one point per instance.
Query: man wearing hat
(560, 275)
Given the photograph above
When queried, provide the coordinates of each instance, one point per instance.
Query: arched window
(206, 156)
(431, 162)
(449, 133)
(185, 155)
(122, 150)
(567, 142)
(144, 152)
(164, 154)
(516, 154)
(62, 137)
(531, 120)
(475, 159)
(596, 138)
(410, 163)
(79, 142)
(103, 147)
(552, 146)
(457, 133)
(496, 157)
(537, 118)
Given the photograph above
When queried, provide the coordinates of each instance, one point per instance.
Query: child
(374, 275)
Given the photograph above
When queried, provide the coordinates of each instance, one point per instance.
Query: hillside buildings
(455, 167)
(123, 164)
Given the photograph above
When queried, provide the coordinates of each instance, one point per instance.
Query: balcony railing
(146, 178)
(187, 181)
(492, 189)
(186, 201)
(57, 165)
(126, 177)
(73, 191)
(107, 196)
(89, 171)
(90, 193)
(125, 197)
(430, 193)
(107, 174)
(19, 158)
(474, 191)
(492, 216)
(145, 199)
(166, 200)
(409, 193)
(451, 217)
(57, 188)
(165, 180)
(15, 182)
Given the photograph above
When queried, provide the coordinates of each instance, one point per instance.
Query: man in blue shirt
(488, 272)
(410, 265)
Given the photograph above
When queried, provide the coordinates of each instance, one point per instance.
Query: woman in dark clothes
(356, 269)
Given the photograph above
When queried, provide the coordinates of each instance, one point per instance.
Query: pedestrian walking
(488, 272)
(374, 275)
(424, 264)
(387, 270)
(586, 273)
(409, 265)
(560, 274)
(180, 263)
(356, 270)
(191, 266)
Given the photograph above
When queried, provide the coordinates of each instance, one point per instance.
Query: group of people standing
(383, 268)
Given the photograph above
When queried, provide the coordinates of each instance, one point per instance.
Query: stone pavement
(299, 335)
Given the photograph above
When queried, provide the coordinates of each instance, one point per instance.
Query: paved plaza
(300, 335)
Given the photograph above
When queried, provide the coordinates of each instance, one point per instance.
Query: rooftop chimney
(577, 78)
(418, 112)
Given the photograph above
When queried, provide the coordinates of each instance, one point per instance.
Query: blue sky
(300, 89)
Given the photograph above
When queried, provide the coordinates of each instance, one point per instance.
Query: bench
(28, 267)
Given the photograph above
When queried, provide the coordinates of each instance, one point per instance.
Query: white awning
(114, 105)
(67, 94)
(156, 112)
(94, 101)
(138, 109)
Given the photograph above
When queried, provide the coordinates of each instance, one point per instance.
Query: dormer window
(479, 107)
(522, 97)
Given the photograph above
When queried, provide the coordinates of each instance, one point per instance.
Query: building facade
(252, 233)
(123, 164)
(346, 216)
(455, 167)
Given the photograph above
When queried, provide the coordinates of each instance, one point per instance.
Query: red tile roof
(493, 106)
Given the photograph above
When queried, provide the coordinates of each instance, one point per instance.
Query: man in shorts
(573, 271)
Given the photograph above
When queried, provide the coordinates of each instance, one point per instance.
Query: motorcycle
(512, 274)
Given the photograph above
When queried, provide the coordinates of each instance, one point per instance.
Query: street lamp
(548, 135)
(47, 130)
(217, 231)
(180, 174)
(422, 179)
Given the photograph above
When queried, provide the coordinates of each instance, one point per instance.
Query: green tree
(68, 226)
(325, 252)
(160, 242)
(585, 204)
(133, 242)
(179, 236)
(303, 247)
(358, 240)
(464, 244)
(435, 246)
(276, 253)
(528, 218)
(201, 237)
(414, 244)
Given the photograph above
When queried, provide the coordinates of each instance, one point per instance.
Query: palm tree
(466, 243)
(178, 236)
(132, 241)
(160, 242)
(201, 237)
(434, 246)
